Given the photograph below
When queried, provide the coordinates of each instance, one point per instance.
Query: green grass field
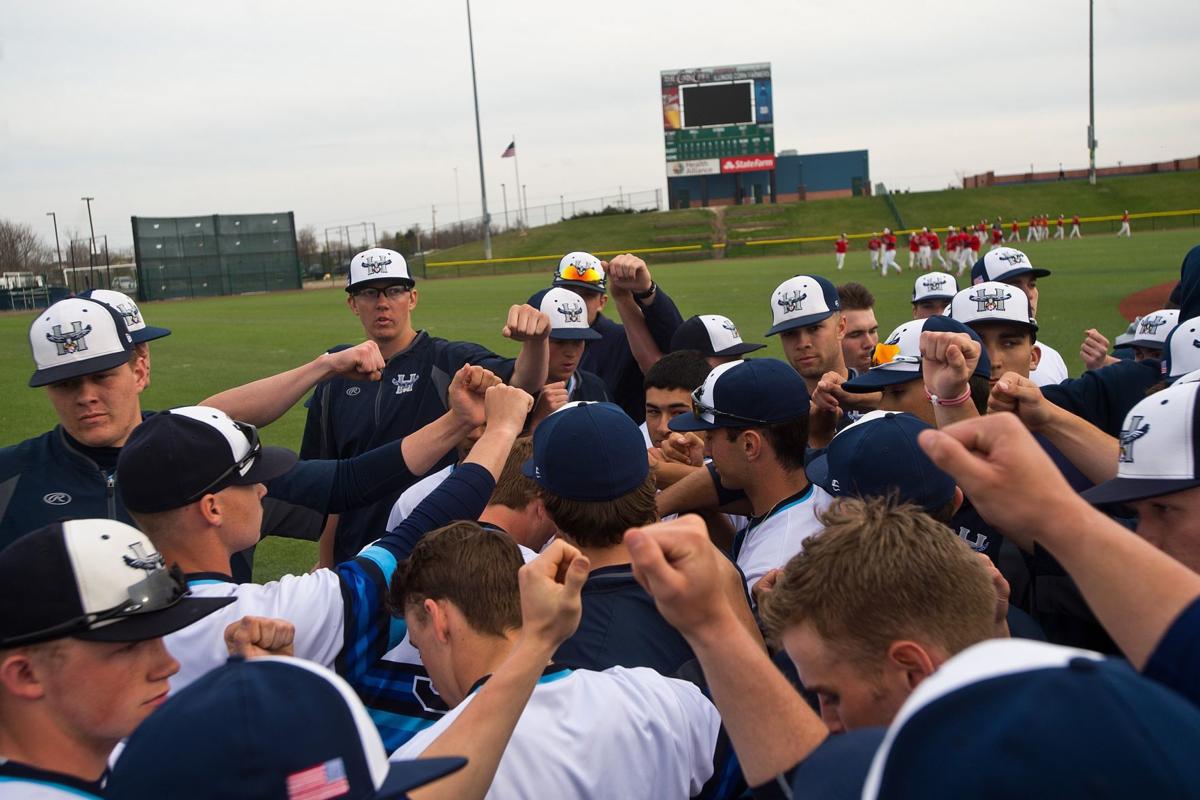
(222, 342)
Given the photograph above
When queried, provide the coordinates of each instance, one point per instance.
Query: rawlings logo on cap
(1150, 325)
(74, 341)
(571, 311)
(375, 265)
(1129, 435)
(990, 299)
(792, 301)
(143, 560)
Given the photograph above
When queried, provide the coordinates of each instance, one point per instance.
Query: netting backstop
(215, 254)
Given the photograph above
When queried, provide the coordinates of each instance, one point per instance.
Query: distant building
(815, 176)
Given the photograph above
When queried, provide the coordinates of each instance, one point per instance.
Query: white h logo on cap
(73, 342)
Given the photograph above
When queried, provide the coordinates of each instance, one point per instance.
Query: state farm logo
(747, 164)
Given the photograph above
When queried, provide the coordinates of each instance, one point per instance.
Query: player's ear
(912, 660)
(1035, 357)
(958, 499)
(412, 298)
(20, 675)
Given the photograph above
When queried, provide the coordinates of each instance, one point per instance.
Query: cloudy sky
(361, 111)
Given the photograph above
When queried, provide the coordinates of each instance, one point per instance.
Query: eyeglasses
(241, 466)
(160, 589)
(890, 354)
(571, 272)
(706, 413)
(391, 292)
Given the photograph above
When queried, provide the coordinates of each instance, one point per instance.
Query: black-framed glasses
(240, 466)
(390, 292)
(160, 589)
(706, 413)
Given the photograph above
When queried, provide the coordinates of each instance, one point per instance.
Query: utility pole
(487, 222)
(504, 194)
(1091, 94)
(57, 246)
(435, 228)
(525, 204)
(92, 254)
(457, 198)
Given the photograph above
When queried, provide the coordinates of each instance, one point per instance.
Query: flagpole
(487, 222)
(522, 222)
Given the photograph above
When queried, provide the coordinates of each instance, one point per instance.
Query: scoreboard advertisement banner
(718, 119)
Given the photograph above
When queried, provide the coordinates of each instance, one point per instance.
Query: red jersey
(874, 244)
(934, 242)
(914, 243)
(1075, 220)
(1016, 227)
(841, 245)
(1061, 222)
(953, 241)
(974, 243)
(997, 236)
(889, 241)
(1125, 217)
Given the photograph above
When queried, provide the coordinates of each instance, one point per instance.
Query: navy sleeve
(1175, 663)
(463, 495)
(334, 486)
(1104, 396)
(836, 769)
(312, 443)
(662, 319)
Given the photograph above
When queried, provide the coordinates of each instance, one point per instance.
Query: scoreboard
(718, 120)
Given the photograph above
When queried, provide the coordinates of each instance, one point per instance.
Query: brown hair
(788, 440)
(882, 571)
(513, 490)
(602, 523)
(853, 296)
(473, 568)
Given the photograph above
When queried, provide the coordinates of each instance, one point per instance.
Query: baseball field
(221, 342)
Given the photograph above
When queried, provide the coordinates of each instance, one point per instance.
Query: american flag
(319, 783)
(511, 150)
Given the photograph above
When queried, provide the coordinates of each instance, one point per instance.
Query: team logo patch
(130, 313)
(990, 299)
(792, 301)
(935, 281)
(895, 338)
(353, 391)
(571, 312)
(73, 341)
(405, 383)
(143, 560)
(729, 326)
(1013, 258)
(1135, 431)
(374, 265)
(56, 498)
(427, 696)
(1150, 325)
(976, 541)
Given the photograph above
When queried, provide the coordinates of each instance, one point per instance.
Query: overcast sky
(361, 111)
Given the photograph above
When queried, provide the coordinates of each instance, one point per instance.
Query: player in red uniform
(1075, 234)
(1060, 229)
(997, 236)
(889, 252)
(914, 247)
(840, 246)
(1125, 225)
(935, 245)
(873, 246)
(1031, 232)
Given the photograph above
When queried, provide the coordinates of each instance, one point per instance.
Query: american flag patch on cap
(320, 782)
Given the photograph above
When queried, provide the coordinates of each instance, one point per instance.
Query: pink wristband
(956, 401)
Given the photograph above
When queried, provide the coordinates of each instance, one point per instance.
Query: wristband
(954, 401)
(643, 295)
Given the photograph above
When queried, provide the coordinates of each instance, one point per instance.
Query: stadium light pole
(92, 254)
(487, 222)
(1091, 94)
(54, 218)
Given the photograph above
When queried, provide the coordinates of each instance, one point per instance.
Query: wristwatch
(643, 295)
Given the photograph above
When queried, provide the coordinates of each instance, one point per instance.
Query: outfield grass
(226, 341)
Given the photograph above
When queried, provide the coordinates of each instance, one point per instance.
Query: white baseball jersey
(313, 603)
(1051, 369)
(411, 497)
(621, 734)
(769, 542)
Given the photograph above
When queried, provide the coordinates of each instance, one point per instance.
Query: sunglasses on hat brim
(241, 466)
(571, 272)
(890, 354)
(707, 414)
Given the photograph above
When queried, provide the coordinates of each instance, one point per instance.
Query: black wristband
(643, 295)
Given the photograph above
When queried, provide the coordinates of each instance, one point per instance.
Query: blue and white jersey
(621, 734)
(23, 782)
(768, 542)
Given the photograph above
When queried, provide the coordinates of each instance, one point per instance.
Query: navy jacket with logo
(348, 417)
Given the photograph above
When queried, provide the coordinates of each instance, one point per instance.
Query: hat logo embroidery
(1129, 435)
(977, 542)
(990, 299)
(130, 313)
(376, 264)
(571, 311)
(56, 498)
(935, 281)
(895, 338)
(792, 301)
(74, 341)
(1151, 325)
(729, 326)
(1012, 258)
(143, 560)
(405, 383)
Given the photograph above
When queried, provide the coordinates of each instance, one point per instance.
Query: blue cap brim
(1124, 490)
(1037, 273)
(529, 470)
(739, 349)
(148, 333)
(405, 775)
(875, 379)
(817, 471)
(690, 422)
(573, 334)
(799, 322)
(78, 369)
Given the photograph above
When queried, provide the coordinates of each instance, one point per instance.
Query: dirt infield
(1145, 301)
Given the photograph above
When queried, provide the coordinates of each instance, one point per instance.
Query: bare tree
(22, 250)
(306, 245)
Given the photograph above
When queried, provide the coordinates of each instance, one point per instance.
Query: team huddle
(634, 561)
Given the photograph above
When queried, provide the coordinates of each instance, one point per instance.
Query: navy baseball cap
(1153, 328)
(77, 337)
(802, 301)
(898, 359)
(1020, 718)
(175, 457)
(588, 451)
(878, 455)
(746, 394)
(94, 579)
(712, 335)
(581, 270)
(264, 728)
(1160, 448)
(1181, 352)
(1003, 264)
(124, 305)
(567, 313)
